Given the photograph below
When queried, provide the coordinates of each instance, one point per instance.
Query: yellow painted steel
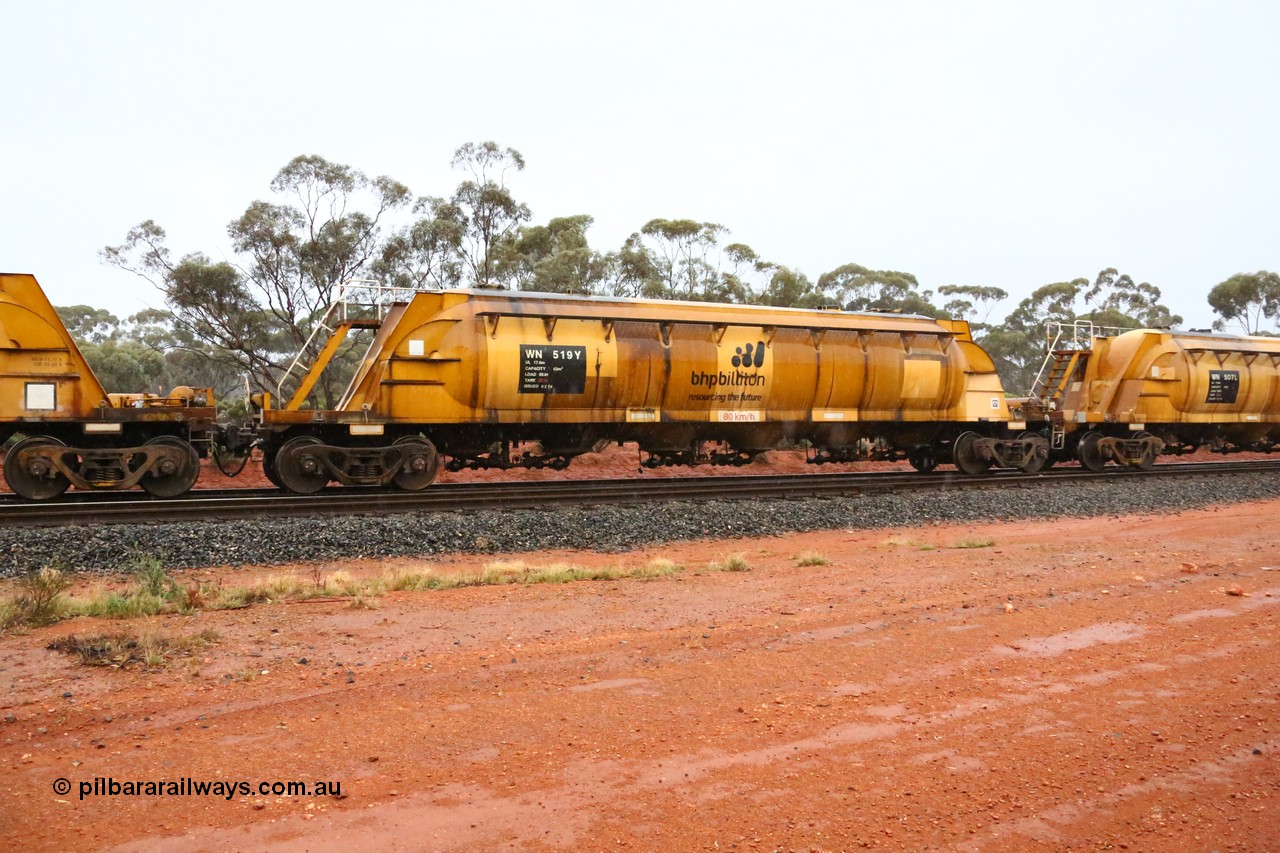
(502, 357)
(43, 376)
(1161, 377)
(336, 337)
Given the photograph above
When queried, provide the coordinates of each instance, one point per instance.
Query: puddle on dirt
(610, 684)
(1197, 615)
(1071, 641)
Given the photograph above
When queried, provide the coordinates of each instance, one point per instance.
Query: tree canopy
(1245, 300)
(326, 226)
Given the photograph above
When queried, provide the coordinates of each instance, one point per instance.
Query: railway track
(231, 504)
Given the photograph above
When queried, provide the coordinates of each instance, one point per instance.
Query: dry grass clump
(145, 648)
(974, 543)
(907, 542)
(504, 572)
(41, 599)
(812, 558)
(731, 563)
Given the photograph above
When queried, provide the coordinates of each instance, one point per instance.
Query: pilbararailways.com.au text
(107, 786)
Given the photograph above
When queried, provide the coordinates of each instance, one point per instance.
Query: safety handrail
(380, 297)
(1062, 336)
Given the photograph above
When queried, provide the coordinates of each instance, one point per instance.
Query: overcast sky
(1001, 143)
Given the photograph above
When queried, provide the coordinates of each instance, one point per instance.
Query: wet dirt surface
(1083, 684)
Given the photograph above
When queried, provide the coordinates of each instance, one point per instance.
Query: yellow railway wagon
(493, 379)
(1144, 392)
(73, 431)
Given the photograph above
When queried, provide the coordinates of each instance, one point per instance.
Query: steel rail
(231, 504)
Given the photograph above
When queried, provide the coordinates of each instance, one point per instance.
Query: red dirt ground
(1072, 684)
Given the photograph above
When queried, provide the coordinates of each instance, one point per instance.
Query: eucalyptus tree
(292, 256)
(971, 302)
(1245, 300)
(685, 259)
(555, 258)
(427, 253)
(857, 288)
(485, 208)
(1110, 301)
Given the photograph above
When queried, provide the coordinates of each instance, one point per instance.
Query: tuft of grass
(812, 558)
(731, 563)
(658, 567)
(506, 572)
(153, 592)
(120, 650)
(908, 542)
(40, 598)
(121, 605)
(974, 543)
(151, 577)
(9, 615)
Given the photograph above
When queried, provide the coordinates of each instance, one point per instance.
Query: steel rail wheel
(1039, 457)
(172, 476)
(269, 469)
(421, 463)
(1148, 460)
(965, 455)
(30, 476)
(299, 468)
(1089, 454)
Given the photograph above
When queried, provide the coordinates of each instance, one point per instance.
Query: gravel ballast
(204, 544)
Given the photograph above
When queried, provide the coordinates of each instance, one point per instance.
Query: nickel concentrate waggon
(493, 379)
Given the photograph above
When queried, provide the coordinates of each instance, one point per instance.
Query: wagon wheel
(1040, 457)
(269, 468)
(172, 477)
(965, 455)
(299, 468)
(34, 479)
(421, 462)
(1148, 460)
(1087, 451)
(923, 459)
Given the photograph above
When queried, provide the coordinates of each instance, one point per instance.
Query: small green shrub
(152, 579)
(40, 600)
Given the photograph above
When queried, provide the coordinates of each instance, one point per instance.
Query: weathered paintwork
(77, 434)
(1153, 379)
(460, 357)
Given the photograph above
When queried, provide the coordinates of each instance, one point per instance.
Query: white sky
(995, 143)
